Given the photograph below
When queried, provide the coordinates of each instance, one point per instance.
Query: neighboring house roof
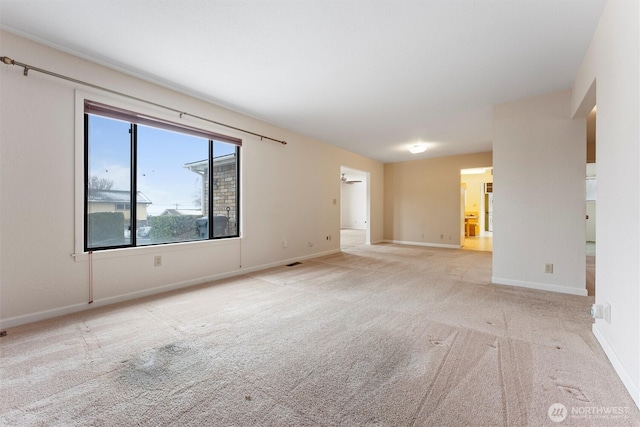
(202, 165)
(178, 212)
(115, 196)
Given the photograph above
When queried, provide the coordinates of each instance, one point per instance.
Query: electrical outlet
(284, 243)
(310, 244)
(548, 268)
(157, 261)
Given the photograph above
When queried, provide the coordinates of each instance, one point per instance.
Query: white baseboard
(539, 286)
(12, 322)
(632, 388)
(288, 261)
(430, 245)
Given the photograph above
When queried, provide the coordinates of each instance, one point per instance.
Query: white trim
(632, 388)
(430, 245)
(539, 286)
(79, 172)
(367, 237)
(74, 308)
(157, 249)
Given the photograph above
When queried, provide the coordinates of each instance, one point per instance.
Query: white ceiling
(371, 76)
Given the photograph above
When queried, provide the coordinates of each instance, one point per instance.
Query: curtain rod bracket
(26, 71)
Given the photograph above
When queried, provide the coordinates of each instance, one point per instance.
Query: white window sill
(155, 249)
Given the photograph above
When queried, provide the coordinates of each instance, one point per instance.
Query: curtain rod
(9, 61)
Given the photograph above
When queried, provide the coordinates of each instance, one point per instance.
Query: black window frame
(133, 118)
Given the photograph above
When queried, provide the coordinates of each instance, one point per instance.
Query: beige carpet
(382, 335)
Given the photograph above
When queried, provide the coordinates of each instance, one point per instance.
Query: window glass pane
(225, 189)
(169, 203)
(186, 184)
(108, 183)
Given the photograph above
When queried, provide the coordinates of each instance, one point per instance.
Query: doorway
(478, 208)
(591, 173)
(354, 208)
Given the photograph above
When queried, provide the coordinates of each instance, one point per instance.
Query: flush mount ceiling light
(418, 148)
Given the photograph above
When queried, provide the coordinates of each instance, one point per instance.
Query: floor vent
(293, 264)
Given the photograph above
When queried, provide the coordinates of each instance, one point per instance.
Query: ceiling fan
(348, 181)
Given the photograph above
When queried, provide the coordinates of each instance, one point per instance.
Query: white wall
(613, 63)
(288, 192)
(538, 199)
(422, 199)
(354, 206)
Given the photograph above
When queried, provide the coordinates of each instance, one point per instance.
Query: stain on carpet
(573, 392)
(158, 365)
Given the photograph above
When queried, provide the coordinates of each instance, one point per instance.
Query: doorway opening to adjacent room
(477, 201)
(354, 208)
(590, 194)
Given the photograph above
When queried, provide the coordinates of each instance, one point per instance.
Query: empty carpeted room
(173, 186)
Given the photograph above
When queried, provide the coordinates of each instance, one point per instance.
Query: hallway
(350, 237)
(479, 243)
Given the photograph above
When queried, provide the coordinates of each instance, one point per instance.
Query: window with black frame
(149, 181)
